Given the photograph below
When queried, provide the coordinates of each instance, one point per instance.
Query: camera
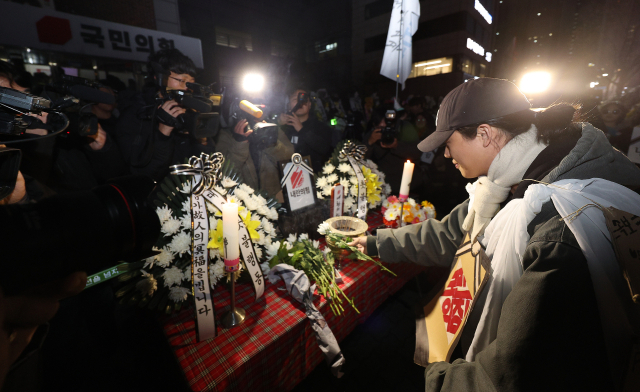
(264, 134)
(390, 132)
(62, 234)
(302, 99)
(14, 120)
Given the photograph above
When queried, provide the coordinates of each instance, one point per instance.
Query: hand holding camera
(242, 129)
(294, 121)
(172, 110)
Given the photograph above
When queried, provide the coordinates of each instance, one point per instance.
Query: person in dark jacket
(149, 146)
(547, 328)
(308, 135)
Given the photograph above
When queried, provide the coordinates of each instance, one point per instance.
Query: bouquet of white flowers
(163, 281)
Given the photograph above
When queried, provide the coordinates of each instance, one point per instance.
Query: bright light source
(487, 56)
(535, 82)
(474, 46)
(593, 84)
(430, 62)
(605, 74)
(28, 50)
(253, 82)
(483, 11)
(539, 14)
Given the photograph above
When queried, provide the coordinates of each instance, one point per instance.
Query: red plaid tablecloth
(275, 347)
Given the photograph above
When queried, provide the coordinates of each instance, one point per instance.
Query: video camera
(302, 99)
(14, 119)
(200, 120)
(390, 132)
(264, 134)
(82, 231)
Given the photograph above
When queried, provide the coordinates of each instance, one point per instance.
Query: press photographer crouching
(389, 153)
(164, 124)
(254, 147)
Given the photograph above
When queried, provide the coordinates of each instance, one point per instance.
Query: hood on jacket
(594, 157)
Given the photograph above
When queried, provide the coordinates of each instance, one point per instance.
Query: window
(432, 67)
(233, 39)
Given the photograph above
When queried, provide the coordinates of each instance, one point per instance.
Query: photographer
(148, 145)
(389, 154)
(308, 135)
(258, 166)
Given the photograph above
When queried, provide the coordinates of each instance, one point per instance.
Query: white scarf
(506, 239)
(506, 170)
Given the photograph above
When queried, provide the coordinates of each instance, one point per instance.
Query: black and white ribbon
(206, 172)
(355, 153)
(246, 245)
(297, 161)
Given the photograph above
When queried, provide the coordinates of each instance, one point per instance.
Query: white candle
(407, 173)
(230, 229)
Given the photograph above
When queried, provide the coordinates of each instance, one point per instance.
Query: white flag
(397, 51)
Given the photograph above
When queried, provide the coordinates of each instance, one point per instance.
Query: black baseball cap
(472, 103)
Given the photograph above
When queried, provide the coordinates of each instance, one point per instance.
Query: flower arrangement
(338, 170)
(398, 214)
(163, 281)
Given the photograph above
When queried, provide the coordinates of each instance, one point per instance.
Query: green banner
(105, 275)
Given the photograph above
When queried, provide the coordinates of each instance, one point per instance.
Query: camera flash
(253, 82)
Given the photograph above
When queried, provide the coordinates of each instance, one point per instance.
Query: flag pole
(399, 46)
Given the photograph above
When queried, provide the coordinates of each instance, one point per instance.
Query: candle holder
(235, 316)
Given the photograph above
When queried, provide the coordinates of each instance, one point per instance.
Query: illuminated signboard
(485, 14)
(475, 47)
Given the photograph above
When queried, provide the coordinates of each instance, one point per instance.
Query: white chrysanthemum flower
(397, 206)
(272, 249)
(354, 180)
(213, 222)
(265, 268)
(411, 202)
(260, 241)
(165, 257)
(316, 244)
(228, 183)
(273, 214)
(292, 238)
(171, 226)
(354, 191)
(386, 203)
(267, 226)
(259, 199)
(150, 261)
(422, 215)
(220, 190)
(391, 214)
(214, 253)
(258, 252)
(262, 210)
(164, 213)
(324, 228)
(148, 284)
(332, 179)
(289, 246)
(186, 188)
(327, 190)
(319, 195)
(243, 213)
(216, 272)
(187, 273)
(186, 206)
(240, 194)
(303, 236)
(328, 168)
(233, 199)
(250, 204)
(181, 243)
(370, 164)
(321, 182)
(172, 276)
(349, 202)
(185, 221)
(178, 293)
(386, 188)
(246, 188)
(344, 167)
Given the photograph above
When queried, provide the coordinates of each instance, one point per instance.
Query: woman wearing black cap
(534, 301)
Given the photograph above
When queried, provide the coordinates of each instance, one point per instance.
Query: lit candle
(407, 173)
(230, 229)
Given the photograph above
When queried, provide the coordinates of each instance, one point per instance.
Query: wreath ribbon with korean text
(355, 153)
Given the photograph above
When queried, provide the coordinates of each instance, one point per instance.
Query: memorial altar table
(275, 348)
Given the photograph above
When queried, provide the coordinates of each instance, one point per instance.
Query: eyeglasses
(181, 81)
(611, 111)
